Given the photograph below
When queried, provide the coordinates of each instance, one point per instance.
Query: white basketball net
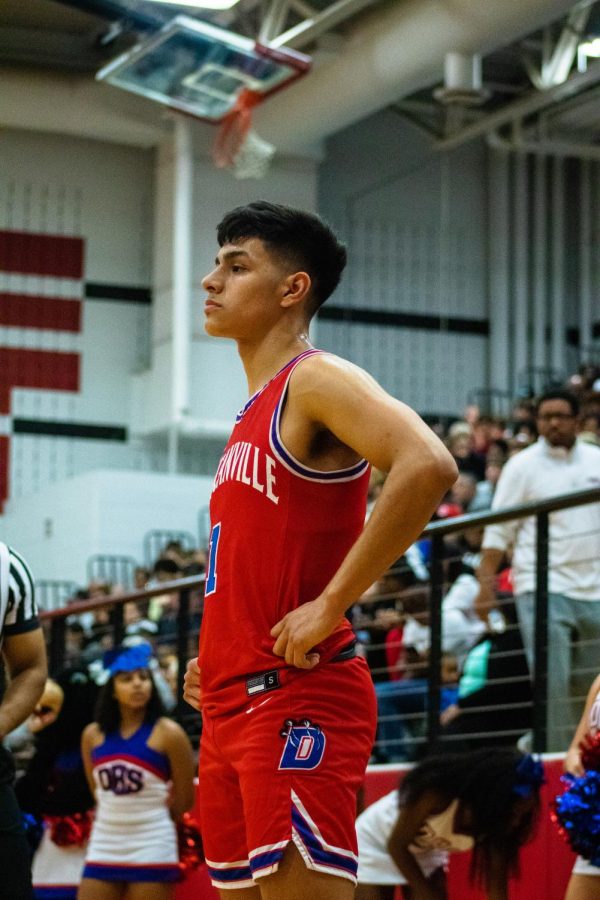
(254, 157)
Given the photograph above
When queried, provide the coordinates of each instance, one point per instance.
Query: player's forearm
(411, 493)
(491, 559)
(23, 692)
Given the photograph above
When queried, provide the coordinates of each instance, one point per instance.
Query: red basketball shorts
(287, 767)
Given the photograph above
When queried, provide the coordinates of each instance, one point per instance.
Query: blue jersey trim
(111, 872)
(226, 876)
(315, 848)
(267, 859)
(255, 396)
(286, 458)
(289, 462)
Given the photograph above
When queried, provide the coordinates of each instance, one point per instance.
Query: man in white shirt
(556, 464)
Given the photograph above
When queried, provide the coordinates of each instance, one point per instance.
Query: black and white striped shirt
(18, 598)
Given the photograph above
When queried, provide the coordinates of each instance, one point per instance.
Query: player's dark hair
(107, 713)
(300, 239)
(483, 781)
(559, 394)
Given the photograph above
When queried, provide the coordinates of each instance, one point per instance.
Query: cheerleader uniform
(430, 847)
(583, 866)
(133, 837)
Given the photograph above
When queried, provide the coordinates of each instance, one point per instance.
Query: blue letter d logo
(304, 748)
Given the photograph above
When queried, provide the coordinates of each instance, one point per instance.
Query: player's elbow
(440, 468)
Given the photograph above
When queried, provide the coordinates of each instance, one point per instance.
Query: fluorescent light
(591, 48)
(199, 4)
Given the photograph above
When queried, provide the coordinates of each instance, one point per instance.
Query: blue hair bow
(127, 659)
(530, 775)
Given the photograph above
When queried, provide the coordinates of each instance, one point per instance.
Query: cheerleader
(141, 768)
(486, 801)
(585, 878)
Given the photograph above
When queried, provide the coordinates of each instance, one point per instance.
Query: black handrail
(522, 511)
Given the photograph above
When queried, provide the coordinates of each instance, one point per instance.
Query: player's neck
(262, 360)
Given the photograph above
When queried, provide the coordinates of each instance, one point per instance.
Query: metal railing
(186, 588)
(437, 531)
(185, 640)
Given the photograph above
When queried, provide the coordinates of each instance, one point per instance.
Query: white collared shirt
(538, 473)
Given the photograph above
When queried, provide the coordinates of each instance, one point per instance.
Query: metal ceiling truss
(558, 58)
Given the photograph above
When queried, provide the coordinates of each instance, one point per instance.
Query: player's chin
(213, 328)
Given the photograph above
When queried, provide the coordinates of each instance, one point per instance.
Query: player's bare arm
(25, 659)
(329, 394)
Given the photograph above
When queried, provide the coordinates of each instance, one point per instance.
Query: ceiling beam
(534, 102)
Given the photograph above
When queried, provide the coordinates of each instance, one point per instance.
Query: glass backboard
(201, 69)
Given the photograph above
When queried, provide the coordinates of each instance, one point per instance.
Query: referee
(24, 657)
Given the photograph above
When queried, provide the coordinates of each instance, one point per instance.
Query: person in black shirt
(24, 657)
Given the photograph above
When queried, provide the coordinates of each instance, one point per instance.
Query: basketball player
(289, 711)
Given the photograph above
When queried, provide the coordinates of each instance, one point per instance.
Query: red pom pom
(590, 752)
(191, 854)
(70, 831)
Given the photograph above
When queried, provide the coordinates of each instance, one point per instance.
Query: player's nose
(211, 283)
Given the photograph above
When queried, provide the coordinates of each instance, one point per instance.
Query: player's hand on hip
(191, 685)
(301, 630)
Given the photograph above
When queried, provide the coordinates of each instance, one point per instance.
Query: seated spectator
(526, 433)
(460, 445)
(402, 704)
(494, 695)
(589, 428)
(486, 430)
(378, 613)
(75, 641)
(137, 624)
(141, 576)
(101, 636)
(164, 570)
(494, 462)
(463, 491)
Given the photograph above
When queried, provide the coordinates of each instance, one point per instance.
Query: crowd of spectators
(90, 634)
(485, 679)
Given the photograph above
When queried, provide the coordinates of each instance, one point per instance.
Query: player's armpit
(348, 402)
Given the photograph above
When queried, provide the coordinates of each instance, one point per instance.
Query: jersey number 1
(211, 574)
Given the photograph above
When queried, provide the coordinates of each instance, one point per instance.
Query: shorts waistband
(348, 652)
(270, 681)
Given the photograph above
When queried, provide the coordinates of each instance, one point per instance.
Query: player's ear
(295, 289)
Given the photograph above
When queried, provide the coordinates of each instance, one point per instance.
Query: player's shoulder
(324, 370)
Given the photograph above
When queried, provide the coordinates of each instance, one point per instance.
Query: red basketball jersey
(279, 531)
